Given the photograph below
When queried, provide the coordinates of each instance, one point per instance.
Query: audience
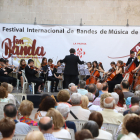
(11, 112)
(134, 101)
(105, 87)
(9, 89)
(116, 98)
(34, 135)
(90, 104)
(130, 136)
(46, 126)
(25, 110)
(125, 89)
(92, 126)
(65, 110)
(82, 89)
(76, 109)
(114, 118)
(98, 118)
(47, 103)
(137, 93)
(7, 128)
(99, 87)
(58, 122)
(63, 96)
(135, 110)
(85, 102)
(83, 134)
(133, 125)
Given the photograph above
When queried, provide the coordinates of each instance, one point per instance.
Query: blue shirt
(82, 91)
(49, 136)
(100, 93)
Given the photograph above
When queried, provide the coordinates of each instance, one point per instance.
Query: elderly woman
(85, 102)
(65, 110)
(63, 96)
(122, 128)
(58, 121)
(92, 126)
(116, 98)
(47, 103)
(25, 110)
(98, 118)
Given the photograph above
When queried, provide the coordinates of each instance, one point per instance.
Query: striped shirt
(49, 136)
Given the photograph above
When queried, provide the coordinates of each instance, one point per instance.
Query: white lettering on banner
(101, 43)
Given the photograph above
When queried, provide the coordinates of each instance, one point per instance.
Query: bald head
(73, 89)
(109, 103)
(135, 110)
(46, 125)
(99, 86)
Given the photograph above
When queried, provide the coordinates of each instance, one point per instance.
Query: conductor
(71, 68)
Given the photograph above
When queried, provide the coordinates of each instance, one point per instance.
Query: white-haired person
(77, 112)
(35, 135)
(116, 98)
(65, 110)
(82, 89)
(90, 104)
(108, 113)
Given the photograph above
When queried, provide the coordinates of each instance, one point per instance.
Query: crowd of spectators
(56, 117)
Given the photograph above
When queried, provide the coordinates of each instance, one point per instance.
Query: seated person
(34, 135)
(30, 74)
(11, 112)
(58, 122)
(108, 113)
(7, 128)
(65, 110)
(25, 109)
(51, 75)
(82, 89)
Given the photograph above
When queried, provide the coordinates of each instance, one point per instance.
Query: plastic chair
(2, 104)
(19, 96)
(79, 124)
(34, 128)
(72, 134)
(16, 137)
(112, 128)
(25, 83)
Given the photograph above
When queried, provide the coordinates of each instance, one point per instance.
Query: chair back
(16, 137)
(24, 77)
(19, 96)
(79, 124)
(112, 128)
(34, 128)
(2, 104)
(72, 134)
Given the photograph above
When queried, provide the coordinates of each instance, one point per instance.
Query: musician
(136, 69)
(113, 68)
(20, 68)
(4, 77)
(89, 65)
(50, 75)
(58, 75)
(30, 74)
(132, 57)
(95, 66)
(117, 80)
(71, 68)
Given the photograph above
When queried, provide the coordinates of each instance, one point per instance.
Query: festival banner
(101, 43)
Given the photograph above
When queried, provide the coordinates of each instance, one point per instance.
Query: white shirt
(42, 114)
(79, 112)
(94, 107)
(62, 134)
(50, 72)
(10, 96)
(105, 135)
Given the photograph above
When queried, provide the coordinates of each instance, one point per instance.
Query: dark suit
(30, 75)
(7, 78)
(130, 60)
(71, 69)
